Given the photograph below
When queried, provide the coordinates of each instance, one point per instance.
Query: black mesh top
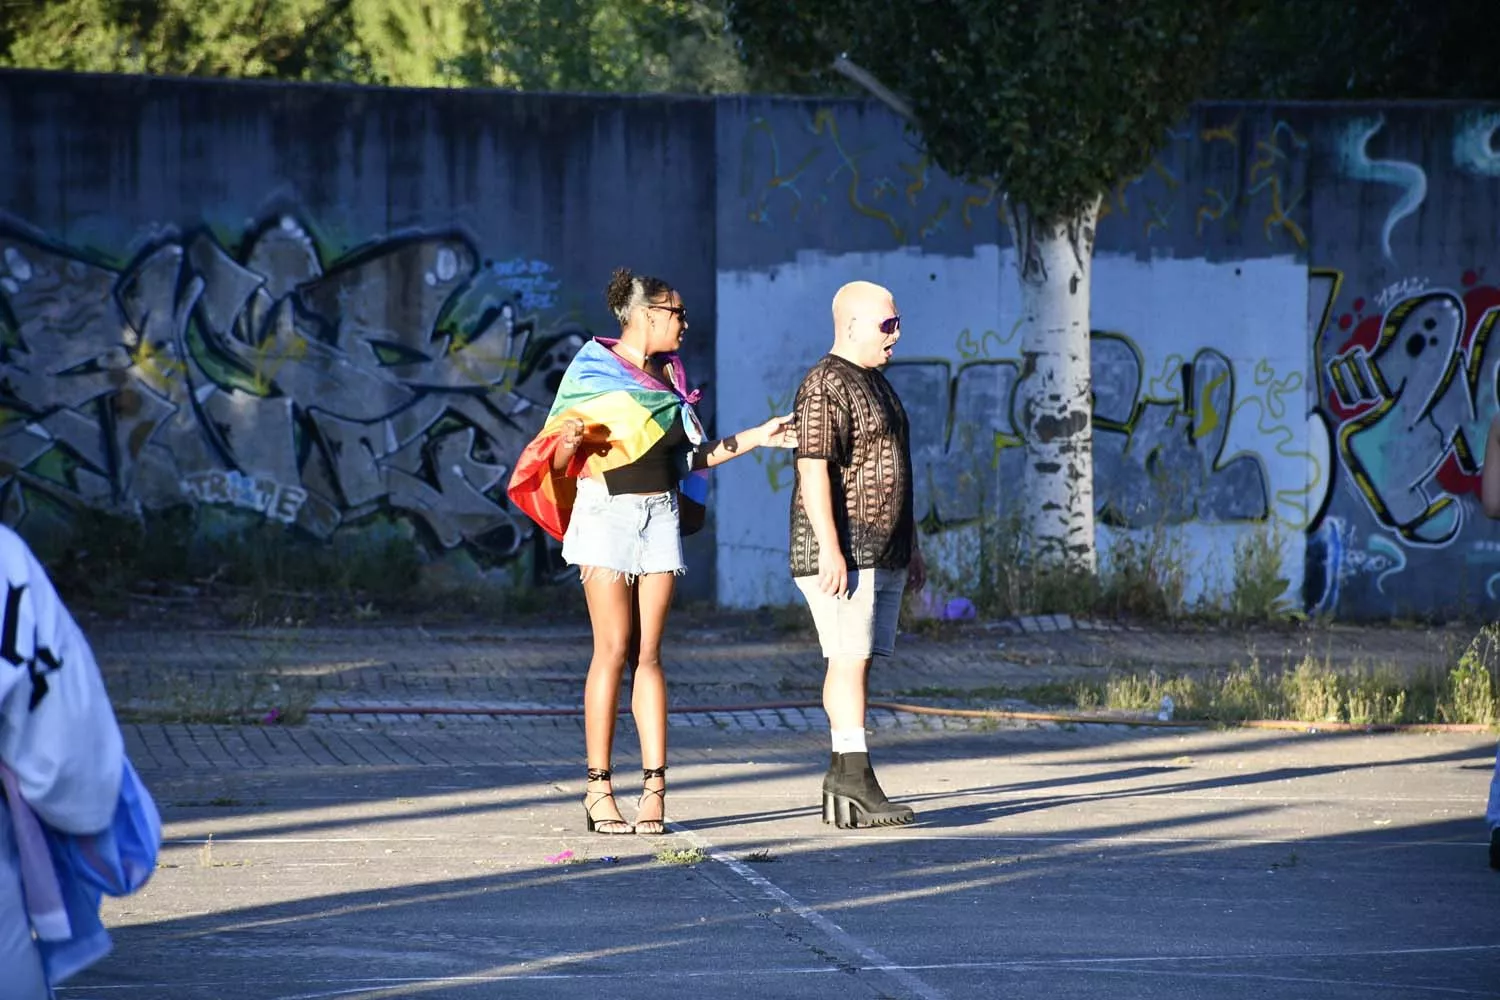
(851, 417)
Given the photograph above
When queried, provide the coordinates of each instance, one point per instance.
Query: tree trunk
(1053, 408)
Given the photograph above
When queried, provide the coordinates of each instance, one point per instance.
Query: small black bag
(691, 514)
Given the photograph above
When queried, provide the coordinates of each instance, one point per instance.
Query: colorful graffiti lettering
(1159, 442)
(1411, 390)
(402, 377)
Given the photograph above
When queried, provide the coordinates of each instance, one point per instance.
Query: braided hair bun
(621, 290)
(629, 291)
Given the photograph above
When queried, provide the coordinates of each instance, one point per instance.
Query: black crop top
(660, 469)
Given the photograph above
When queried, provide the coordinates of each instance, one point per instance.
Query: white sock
(848, 740)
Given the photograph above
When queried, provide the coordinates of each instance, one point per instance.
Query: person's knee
(611, 651)
(645, 650)
(848, 669)
(647, 665)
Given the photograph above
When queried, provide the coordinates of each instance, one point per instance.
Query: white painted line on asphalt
(892, 838)
(348, 987)
(871, 958)
(375, 989)
(185, 842)
(1405, 988)
(1241, 956)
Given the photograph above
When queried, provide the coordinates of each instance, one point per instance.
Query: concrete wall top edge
(145, 80)
(139, 81)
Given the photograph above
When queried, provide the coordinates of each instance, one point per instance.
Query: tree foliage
(413, 43)
(1360, 50)
(607, 45)
(1054, 99)
(288, 39)
(574, 45)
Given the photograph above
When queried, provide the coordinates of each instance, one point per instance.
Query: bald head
(856, 299)
(866, 325)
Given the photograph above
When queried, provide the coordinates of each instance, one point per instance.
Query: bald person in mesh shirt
(853, 535)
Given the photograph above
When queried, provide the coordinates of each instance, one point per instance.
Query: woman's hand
(779, 432)
(570, 437)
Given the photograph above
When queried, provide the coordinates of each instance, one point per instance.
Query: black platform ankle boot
(853, 798)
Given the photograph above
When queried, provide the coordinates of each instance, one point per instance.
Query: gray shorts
(631, 534)
(862, 623)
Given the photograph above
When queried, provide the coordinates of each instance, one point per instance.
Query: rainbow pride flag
(621, 407)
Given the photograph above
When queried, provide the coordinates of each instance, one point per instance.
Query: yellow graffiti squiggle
(974, 201)
(918, 173)
(989, 346)
(1223, 203)
(1208, 417)
(824, 123)
(1212, 213)
(779, 180)
(1107, 205)
(1268, 423)
(1271, 152)
(1164, 386)
(1265, 375)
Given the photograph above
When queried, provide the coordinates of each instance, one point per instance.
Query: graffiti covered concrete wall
(1294, 316)
(326, 307)
(319, 306)
(1199, 303)
(1405, 282)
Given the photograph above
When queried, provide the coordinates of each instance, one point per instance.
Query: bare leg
(608, 597)
(844, 697)
(648, 700)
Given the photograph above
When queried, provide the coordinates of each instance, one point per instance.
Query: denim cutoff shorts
(631, 534)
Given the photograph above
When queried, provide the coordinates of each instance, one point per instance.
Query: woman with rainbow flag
(617, 474)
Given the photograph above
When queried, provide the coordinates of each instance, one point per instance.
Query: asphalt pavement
(421, 833)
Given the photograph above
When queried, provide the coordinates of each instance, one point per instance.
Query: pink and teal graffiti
(1411, 389)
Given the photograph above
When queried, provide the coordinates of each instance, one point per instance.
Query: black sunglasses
(679, 311)
(890, 325)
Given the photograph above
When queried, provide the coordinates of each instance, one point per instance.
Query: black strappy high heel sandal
(609, 826)
(653, 827)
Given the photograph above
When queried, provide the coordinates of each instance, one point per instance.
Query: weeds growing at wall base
(256, 572)
(1143, 576)
(233, 699)
(1468, 692)
(108, 553)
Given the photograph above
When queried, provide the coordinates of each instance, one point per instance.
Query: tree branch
(867, 80)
